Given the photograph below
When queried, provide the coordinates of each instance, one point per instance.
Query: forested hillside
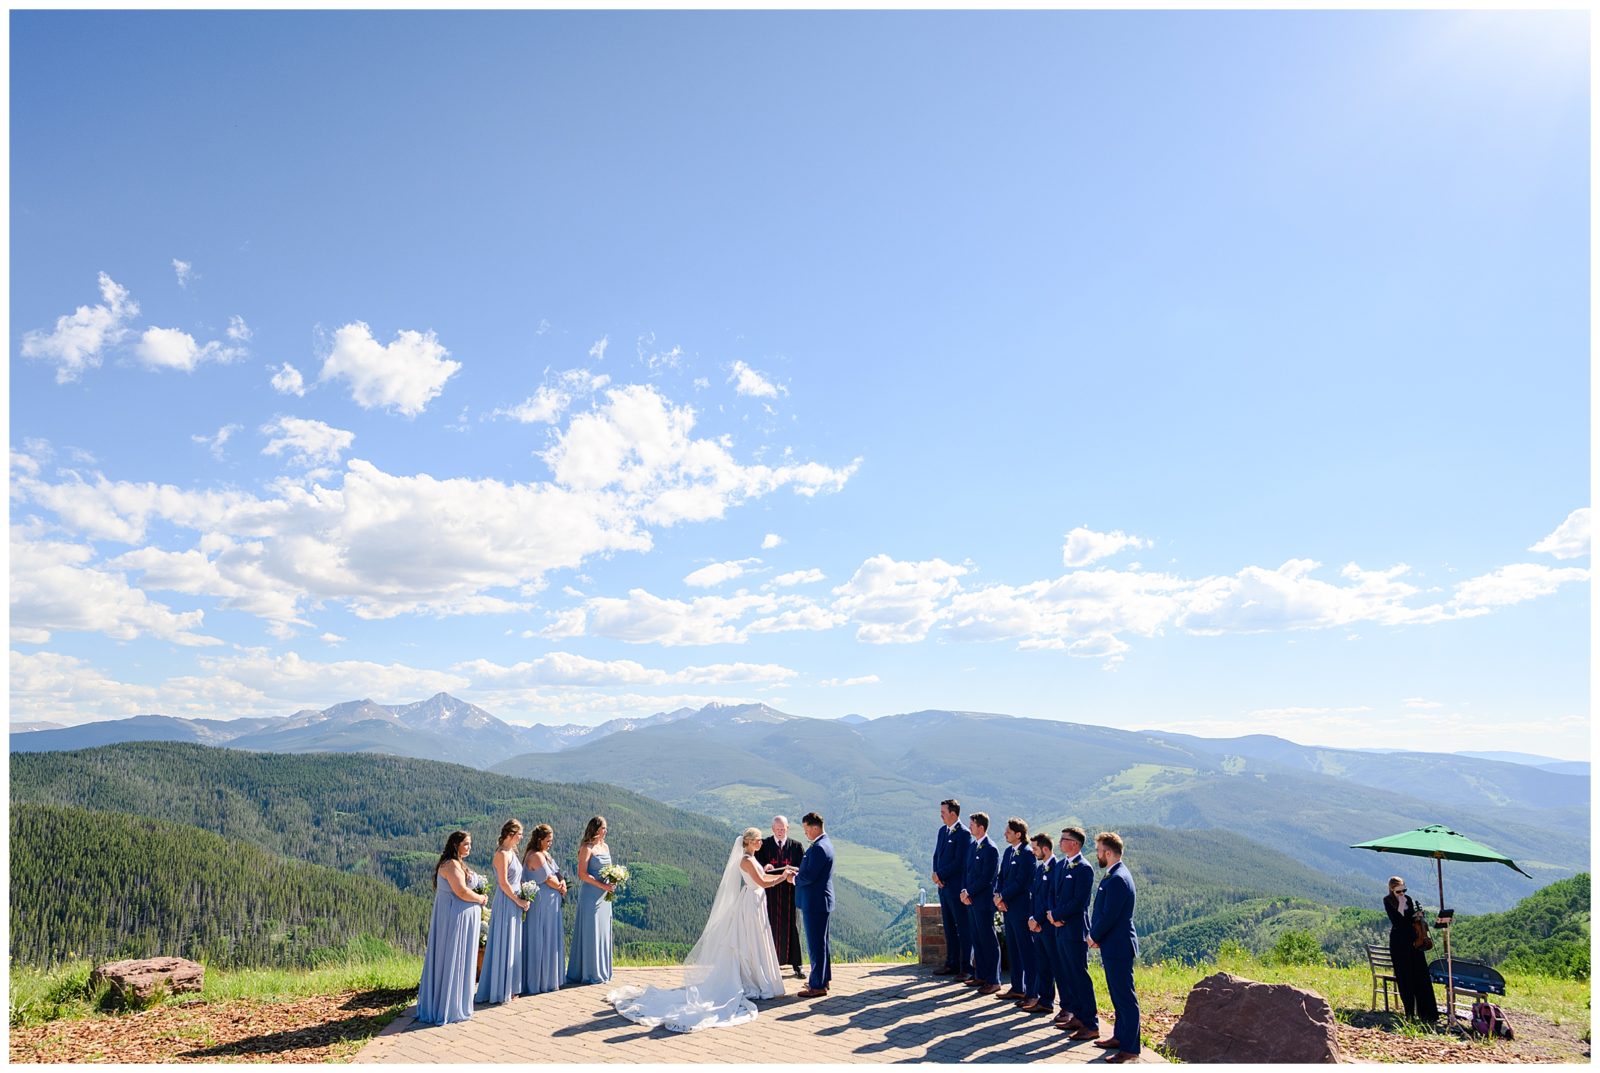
(102, 885)
(387, 818)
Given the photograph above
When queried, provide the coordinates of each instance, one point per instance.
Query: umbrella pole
(1449, 970)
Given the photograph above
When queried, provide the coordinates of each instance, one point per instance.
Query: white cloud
(1570, 539)
(1084, 546)
(894, 602)
(381, 545)
(798, 577)
(288, 381)
(332, 639)
(566, 668)
(770, 541)
(717, 573)
(184, 271)
(1514, 584)
(1421, 704)
(644, 618)
(79, 338)
(746, 381)
(403, 376)
(217, 439)
(53, 588)
(305, 442)
(550, 401)
(170, 348)
(864, 680)
(238, 330)
(655, 360)
(598, 351)
(640, 445)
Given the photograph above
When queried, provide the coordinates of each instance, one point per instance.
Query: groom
(813, 895)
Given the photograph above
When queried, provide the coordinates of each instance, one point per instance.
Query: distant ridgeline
(375, 824)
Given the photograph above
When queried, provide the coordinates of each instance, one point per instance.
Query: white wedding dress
(734, 962)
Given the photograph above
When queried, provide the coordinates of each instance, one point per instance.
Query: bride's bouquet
(617, 876)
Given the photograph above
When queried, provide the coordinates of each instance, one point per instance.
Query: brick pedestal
(930, 935)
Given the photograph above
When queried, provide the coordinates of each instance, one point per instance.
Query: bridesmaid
(590, 959)
(542, 938)
(501, 976)
(445, 994)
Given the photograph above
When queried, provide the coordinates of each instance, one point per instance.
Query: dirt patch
(1374, 1037)
(319, 1028)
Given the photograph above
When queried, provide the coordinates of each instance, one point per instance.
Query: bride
(734, 961)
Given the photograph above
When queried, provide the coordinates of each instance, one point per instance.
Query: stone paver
(872, 1013)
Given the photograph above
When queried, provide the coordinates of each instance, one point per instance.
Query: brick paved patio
(873, 1013)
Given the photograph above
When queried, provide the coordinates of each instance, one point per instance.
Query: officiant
(775, 854)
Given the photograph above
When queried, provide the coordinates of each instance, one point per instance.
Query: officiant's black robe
(780, 899)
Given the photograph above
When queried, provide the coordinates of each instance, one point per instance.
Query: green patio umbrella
(1442, 844)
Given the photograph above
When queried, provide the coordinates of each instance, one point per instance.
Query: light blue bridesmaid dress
(446, 991)
(542, 938)
(590, 959)
(501, 976)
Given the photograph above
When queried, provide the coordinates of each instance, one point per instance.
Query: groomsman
(1111, 930)
(1069, 917)
(949, 867)
(1017, 866)
(1043, 937)
(977, 892)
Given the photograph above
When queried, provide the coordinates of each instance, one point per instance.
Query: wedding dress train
(734, 962)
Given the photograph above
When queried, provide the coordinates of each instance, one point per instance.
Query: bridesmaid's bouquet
(483, 928)
(617, 876)
(477, 884)
(529, 890)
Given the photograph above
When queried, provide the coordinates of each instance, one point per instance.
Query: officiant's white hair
(781, 819)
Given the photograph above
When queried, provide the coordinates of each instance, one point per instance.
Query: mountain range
(439, 728)
(878, 780)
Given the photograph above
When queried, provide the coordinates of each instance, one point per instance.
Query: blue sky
(517, 322)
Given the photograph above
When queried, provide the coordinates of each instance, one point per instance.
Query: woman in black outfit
(1410, 964)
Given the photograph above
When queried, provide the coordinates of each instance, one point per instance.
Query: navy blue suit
(1042, 984)
(1017, 866)
(983, 868)
(950, 865)
(813, 896)
(1112, 927)
(1070, 905)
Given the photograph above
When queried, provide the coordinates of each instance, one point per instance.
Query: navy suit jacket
(1016, 878)
(813, 884)
(1044, 878)
(1070, 897)
(1112, 923)
(950, 854)
(983, 867)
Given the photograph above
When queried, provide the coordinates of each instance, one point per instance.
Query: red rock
(1230, 1019)
(139, 979)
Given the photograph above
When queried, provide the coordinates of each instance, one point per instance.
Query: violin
(1419, 924)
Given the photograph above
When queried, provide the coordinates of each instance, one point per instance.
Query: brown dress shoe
(1066, 1020)
(1120, 1057)
(972, 981)
(812, 992)
(1085, 1033)
(988, 989)
(1108, 1043)
(1012, 996)
(947, 972)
